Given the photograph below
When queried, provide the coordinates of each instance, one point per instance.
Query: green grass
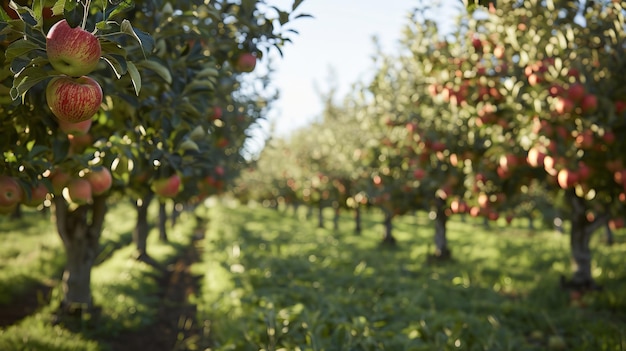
(124, 289)
(276, 282)
(32, 252)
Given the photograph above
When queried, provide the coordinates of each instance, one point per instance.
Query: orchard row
(517, 111)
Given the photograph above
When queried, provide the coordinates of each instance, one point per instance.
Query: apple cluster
(81, 189)
(72, 96)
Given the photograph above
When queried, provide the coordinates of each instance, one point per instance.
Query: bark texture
(80, 229)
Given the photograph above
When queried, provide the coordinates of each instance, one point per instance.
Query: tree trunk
(610, 238)
(17, 213)
(309, 213)
(441, 241)
(140, 234)
(176, 211)
(580, 237)
(336, 218)
(357, 220)
(320, 216)
(162, 221)
(388, 238)
(80, 235)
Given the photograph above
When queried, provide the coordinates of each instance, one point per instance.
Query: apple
(534, 79)
(556, 90)
(215, 112)
(10, 191)
(38, 194)
(419, 174)
(563, 105)
(167, 187)
(576, 92)
(616, 223)
(79, 128)
(566, 178)
(620, 107)
(72, 51)
(535, 157)
(589, 103)
(246, 62)
(498, 51)
(73, 100)
(609, 137)
(100, 180)
(79, 191)
(59, 180)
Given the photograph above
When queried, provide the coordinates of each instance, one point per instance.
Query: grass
(125, 290)
(274, 282)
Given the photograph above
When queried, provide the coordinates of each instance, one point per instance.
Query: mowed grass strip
(274, 281)
(126, 292)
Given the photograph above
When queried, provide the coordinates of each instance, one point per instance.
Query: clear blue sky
(337, 38)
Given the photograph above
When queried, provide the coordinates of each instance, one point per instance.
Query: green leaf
(295, 5)
(145, 40)
(20, 48)
(4, 16)
(135, 77)
(158, 68)
(27, 79)
(112, 48)
(119, 67)
(120, 7)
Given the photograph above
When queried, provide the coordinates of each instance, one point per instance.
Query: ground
(176, 325)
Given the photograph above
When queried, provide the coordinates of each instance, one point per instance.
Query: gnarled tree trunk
(80, 231)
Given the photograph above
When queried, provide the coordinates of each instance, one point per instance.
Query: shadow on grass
(293, 285)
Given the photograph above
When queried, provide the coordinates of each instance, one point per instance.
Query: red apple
(620, 107)
(576, 92)
(38, 194)
(59, 180)
(72, 51)
(10, 191)
(589, 103)
(616, 223)
(215, 112)
(566, 178)
(535, 157)
(246, 62)
(100, 180)
(534, 79)
(167, 187)
(563, 105)
(73, 100)
(79, 191)
(79, 128)
(419, 174)
(609, 137)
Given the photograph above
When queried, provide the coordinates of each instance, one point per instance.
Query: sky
(336, 42)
